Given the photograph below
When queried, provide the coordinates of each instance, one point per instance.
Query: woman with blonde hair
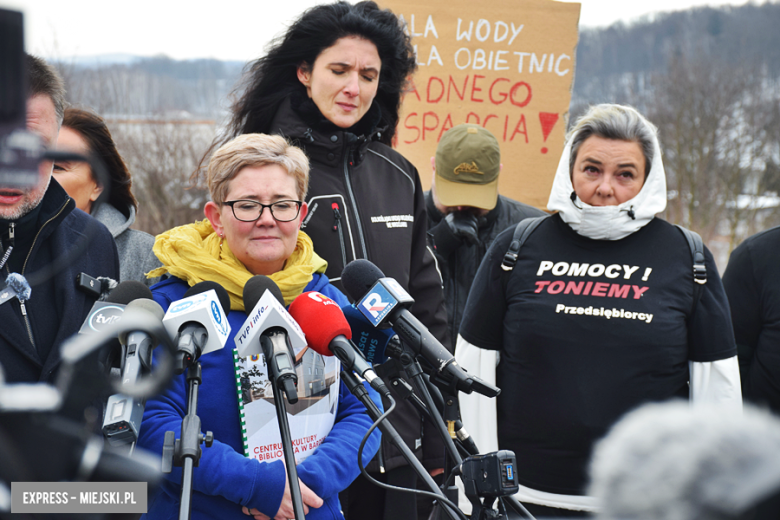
(257, 185)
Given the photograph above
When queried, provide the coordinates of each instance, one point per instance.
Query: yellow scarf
(195, 253)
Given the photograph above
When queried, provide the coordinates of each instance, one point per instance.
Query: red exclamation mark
(548, 120)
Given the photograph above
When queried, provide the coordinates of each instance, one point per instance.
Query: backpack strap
(522, 229)
(699, 268)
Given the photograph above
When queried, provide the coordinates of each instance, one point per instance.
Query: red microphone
(328, 333)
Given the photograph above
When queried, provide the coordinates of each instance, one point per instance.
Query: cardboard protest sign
(507, 66)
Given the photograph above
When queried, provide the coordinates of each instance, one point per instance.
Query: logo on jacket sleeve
(393, 221)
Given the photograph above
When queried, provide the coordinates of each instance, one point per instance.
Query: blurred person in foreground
(86, 133)
(465, 211)
(599, 315)
(333, 84)
(668, 461)
(39, 227)
(752, 282)
(257, 185)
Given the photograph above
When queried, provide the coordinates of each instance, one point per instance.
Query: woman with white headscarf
(599, 315)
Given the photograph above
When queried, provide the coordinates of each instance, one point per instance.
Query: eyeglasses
(251, 210)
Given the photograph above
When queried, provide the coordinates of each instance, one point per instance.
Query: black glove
(463, 225)
(453, 230)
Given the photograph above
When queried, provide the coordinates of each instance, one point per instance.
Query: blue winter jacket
(226, 480)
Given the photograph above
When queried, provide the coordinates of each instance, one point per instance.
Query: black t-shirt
(588, 330)
(752, 281)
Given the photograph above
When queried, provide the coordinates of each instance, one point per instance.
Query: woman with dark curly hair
(86, 133)
(333, 85)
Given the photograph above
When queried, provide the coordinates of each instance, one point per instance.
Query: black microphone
(122, 421)
(386, 302)
(276, 327)
(328, 333)
(199, 323)
(107, 312)
(92, 372)
(371, 341)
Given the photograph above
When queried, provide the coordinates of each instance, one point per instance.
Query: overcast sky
(224, 29)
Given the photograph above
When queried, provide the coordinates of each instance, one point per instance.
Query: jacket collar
(113, 219)
(299, 119)
(609, 222)
(32, 229)
(55, 206)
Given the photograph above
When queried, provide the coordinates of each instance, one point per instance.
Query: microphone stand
(358, 390)
(284, 380)
(414, 371)
(186, 451)
(451, 406)
(448, 433)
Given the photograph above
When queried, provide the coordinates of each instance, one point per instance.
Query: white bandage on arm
(716, 382)
(478, 412)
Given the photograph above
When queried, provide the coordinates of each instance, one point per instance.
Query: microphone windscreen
(148, 305)
(371, 341)
(359, 276)
(320, 319)
(128, 291)
(254, 289)
(222, 294)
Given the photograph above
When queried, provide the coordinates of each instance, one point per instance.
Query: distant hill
(122, 85)
(102, 60)
(613, 62)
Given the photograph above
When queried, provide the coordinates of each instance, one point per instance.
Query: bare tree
(713, 121)
(161, 155)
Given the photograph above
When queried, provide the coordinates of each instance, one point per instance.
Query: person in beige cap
(465, 211)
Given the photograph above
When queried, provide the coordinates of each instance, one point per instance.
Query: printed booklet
(310, 419)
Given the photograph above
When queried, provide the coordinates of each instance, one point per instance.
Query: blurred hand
(464, 225)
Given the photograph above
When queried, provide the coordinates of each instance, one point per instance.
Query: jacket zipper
(24, 268)
(7, 254)
(338, 227)
(347, 154)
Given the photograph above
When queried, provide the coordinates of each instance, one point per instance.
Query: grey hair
(610, 121)
(671, 461)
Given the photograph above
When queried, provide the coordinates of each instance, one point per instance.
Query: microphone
(269, 329)
(371, 341)
(104, 313)
(386, 302)
(108, 312)
(199, 322)
(122, 421)
(328, 333)
(111, 358)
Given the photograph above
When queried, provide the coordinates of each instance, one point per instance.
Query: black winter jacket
(459, 262)
(366, 201)
(60, 229)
